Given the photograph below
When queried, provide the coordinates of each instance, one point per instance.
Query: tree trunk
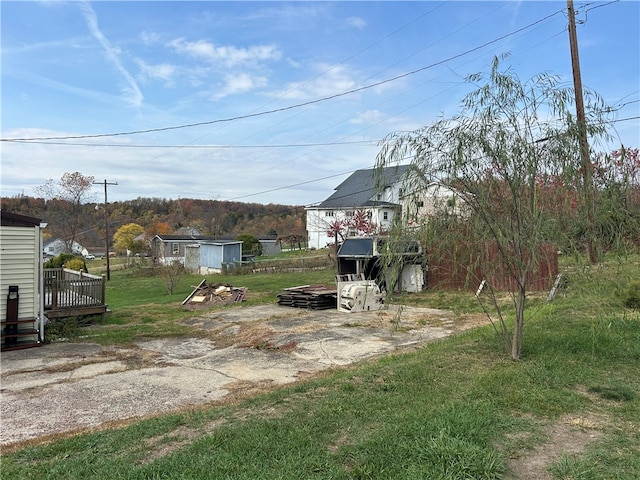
(518, 326)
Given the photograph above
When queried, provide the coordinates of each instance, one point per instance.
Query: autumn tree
(124, 240)
(508, 136)
(357, 224)
(66, 198)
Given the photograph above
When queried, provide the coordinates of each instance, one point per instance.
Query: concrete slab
(67, 387)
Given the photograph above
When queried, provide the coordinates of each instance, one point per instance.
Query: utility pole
(587, 167)
(106, 223)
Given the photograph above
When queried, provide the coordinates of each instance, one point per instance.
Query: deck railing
(66, 288)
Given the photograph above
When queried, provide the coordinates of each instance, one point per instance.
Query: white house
(375, 192)
(420, 202)
(382, 194)
(55, 246)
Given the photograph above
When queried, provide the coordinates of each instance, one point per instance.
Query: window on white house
(385, 215)
(328, 213)
(175, 248)
(349, 213)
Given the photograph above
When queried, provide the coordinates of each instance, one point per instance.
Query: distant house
(21, 298)
(168, 248)
(192, 231)
(196, 253)
(421, 202)
(382, 194)
(55, 246)
(378, 193)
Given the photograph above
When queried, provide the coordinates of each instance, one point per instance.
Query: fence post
(104, 297)
(54, 293)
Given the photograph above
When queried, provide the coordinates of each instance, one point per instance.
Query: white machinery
(359, 296)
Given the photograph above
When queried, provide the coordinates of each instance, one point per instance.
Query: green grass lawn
(455, 409)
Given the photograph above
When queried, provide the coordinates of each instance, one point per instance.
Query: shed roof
(359, 189)
(356, 247)
(9, 219)
(183, 238)
(221, 242)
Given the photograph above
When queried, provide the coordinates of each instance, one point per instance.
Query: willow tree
(512, 144)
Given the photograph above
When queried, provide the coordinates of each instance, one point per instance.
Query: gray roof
(359, 189)
(183, 238)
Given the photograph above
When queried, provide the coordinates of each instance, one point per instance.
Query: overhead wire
(294, 106)
(42, 140)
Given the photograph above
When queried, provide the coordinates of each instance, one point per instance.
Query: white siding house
(383, 195)
(55, 246)
(375, 192)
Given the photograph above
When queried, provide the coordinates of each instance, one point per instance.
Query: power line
(298, 105)
(125, 145)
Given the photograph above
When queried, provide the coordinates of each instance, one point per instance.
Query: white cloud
(130, 88)
(149, 38)
(240, 83)
(368, 117)
(331, 80)
(160, 71)
(356, 22)
(226, 54)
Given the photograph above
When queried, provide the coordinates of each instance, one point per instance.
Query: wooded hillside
(159, 215)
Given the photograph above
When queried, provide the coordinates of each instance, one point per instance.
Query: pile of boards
(312, 297)
(207, 295)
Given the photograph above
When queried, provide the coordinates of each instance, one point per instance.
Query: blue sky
(73, 69)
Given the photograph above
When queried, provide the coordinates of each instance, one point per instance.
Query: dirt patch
(568, 436)
(66, 388)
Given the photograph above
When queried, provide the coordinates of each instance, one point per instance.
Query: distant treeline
(221, 219)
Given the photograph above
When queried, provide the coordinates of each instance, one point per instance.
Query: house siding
(318, 222)
(20, 266)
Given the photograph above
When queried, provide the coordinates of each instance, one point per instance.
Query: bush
(67, 260)
(631, 296)
(250, 245)
(76, 264)
(171, 274)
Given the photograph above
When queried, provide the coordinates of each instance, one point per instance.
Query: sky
(270, 102)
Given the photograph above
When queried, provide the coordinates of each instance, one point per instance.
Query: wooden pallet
(312, 297)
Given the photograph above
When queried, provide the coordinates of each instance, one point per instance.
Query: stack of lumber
(312, 297)
(206, 295)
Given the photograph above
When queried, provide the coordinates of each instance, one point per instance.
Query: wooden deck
(68, 293)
